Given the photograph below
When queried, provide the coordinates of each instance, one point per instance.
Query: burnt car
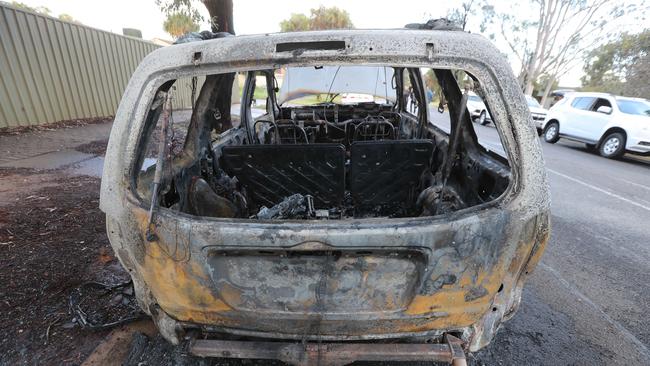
(317, 231)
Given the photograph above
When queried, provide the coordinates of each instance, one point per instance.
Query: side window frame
(576, 103)
(595, 105)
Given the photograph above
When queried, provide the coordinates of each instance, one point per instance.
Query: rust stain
(180, 287)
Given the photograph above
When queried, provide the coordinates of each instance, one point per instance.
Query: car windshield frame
(636, 111)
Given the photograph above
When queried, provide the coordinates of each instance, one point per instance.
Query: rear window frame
(489, 86)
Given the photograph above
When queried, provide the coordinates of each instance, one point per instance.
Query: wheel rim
(550, 133)
(611, 145)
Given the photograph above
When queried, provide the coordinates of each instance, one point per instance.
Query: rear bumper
(222, 276)
(330, 353)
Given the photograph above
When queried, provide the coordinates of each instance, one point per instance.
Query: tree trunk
(221, 15)
(530, 87)
(221, 18)
(547, 91)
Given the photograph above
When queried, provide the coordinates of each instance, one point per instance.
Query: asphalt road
(588, 301)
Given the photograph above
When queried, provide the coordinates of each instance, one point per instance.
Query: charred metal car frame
(427, 285)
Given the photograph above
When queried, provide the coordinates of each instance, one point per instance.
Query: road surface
(587, 303)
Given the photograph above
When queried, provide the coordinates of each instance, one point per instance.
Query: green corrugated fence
(52, 70)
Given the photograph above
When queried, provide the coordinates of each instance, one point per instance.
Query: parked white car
(537, 112)
(477, 109)
(611, 124)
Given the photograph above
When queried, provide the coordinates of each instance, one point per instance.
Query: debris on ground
(72, 123)
(97, 147)
(97, 305)
(46, 254)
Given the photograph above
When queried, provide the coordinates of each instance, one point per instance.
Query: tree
(221, 12)
(68, 18)
(637, 79)
(38, 9)
(178, 24)
(620, 66)
(320, 18)
(42, 10)
(216, 89)
(553, 41)
(296, 22)
(460, 15)
(329, 18)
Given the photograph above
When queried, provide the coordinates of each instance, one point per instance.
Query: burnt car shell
(339, 280)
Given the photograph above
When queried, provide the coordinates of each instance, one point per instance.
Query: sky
(256, 16)
(251, 16)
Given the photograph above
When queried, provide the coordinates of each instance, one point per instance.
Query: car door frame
(592, 126)
(570, 127)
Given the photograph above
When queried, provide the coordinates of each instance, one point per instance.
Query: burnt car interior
(310, 156)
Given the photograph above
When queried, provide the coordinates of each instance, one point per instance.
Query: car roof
(589, 94)
(604, 95)
(633, 99)
(462, 50)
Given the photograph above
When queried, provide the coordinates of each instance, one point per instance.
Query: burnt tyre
(552, 132)
(613, 146)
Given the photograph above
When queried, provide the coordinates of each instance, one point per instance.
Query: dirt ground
(52, 240)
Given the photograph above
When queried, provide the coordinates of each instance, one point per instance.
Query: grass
(260, 92)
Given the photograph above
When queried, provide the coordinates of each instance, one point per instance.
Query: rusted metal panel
(329, 353)
(54, 70)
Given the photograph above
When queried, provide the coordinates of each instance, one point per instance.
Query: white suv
(614, 125)
(477, 109)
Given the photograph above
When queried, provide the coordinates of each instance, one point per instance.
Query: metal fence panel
(52, 70)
